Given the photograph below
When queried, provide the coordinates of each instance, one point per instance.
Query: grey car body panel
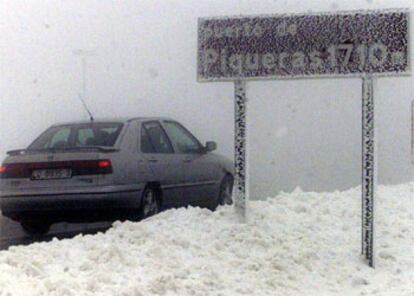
(182, 178)
(166, 169)
(71, 190)
(201, 174)
(95, 200)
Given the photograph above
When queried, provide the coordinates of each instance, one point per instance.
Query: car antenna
(86, 107)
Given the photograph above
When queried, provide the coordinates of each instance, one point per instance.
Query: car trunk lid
(47, 168)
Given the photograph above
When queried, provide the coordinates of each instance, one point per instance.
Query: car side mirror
(211, 146)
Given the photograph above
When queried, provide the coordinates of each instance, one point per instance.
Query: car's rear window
(78, 135)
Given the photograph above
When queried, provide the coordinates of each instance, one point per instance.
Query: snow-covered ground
(297, 243)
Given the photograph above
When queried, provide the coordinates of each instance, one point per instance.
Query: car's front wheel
(150, 203)
(226, 191)
(35, 228)
(225, 196)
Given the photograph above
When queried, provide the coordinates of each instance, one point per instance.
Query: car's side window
(182, 139)
(146, 146)
(154, 139)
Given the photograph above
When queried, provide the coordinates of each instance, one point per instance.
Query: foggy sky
(143, 63)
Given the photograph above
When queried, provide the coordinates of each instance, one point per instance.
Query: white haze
(302, 132)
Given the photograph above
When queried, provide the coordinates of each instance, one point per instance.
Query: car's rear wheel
(150, 202)
(35, 228)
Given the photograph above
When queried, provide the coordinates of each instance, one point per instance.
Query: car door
(200, 170)
(167, 169)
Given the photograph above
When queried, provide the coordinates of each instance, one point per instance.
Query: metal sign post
(341, 44)
(240, 141)
(412, 132)
(369, 173)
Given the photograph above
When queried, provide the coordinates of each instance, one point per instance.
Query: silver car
(106, 169)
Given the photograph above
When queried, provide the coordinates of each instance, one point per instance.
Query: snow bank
(297, 243)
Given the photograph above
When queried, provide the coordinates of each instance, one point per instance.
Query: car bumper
(62, 206)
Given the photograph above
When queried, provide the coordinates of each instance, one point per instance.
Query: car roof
(113, 119)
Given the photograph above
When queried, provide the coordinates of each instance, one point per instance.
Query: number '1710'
(377, 54)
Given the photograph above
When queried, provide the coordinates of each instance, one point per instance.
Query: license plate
(51, 174)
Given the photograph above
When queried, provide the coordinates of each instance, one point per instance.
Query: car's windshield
(78, 135)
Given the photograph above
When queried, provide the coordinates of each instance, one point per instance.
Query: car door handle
(188, 159)
(152, 159)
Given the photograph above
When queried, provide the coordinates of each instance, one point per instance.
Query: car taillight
(104, 163)
(2, 169)
(104, 166)
(91, 167)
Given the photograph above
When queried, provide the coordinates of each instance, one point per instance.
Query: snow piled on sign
(298, 243)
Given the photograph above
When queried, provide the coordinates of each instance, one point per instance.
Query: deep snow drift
(294, 244)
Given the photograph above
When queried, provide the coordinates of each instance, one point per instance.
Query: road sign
(291, 46)
(345, 44)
